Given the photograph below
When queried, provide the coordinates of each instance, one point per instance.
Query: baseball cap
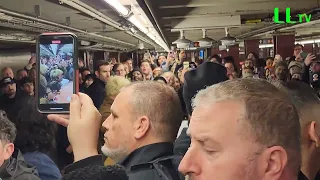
(6, 80)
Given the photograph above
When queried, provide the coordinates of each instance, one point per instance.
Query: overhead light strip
(118, 6)
(134, 20)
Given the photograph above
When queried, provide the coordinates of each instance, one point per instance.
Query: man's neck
(309, 166)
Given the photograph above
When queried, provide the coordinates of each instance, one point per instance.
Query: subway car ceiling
(120, 25)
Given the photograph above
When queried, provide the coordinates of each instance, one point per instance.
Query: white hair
(271, 116)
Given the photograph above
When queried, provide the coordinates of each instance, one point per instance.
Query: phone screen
(304, 55)
(56, 62)
(186, 65)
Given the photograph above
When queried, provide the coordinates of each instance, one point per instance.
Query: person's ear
(275, 160)
(141, 127)
(313, 133)
(8, 150)
(96, 73)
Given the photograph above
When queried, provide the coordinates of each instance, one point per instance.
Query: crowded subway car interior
(160, 89)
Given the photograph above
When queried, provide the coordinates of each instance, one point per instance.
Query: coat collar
(146, 154)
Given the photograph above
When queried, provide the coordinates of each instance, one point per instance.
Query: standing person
(11, 98)
(306, 100)
(146, 70)
(12, 164)
(36, 140)
(97, 89)
(282, 71)
(21, 73)
(7, 72)
(119, 70)
(207, 74)
(146, 123)
(253, 135)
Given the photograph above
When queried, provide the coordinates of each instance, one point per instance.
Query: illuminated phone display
(56, 62)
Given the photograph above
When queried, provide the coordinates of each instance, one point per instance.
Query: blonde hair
(114, 84)
(113, 87)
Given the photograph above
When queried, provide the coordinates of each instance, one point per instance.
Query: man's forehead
(213, 113)
(123, 96)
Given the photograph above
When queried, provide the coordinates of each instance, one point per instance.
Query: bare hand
(84, 126)
(32, 60)
(63, 120)
(299, 57)
(309, 59)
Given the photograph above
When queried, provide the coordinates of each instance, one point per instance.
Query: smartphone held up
(57, 61)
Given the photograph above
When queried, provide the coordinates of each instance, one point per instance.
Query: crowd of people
(256, 120)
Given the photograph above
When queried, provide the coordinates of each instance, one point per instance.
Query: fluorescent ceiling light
(307, 42)
(135, 21)
(151, 36)
(265, 46)
(118, 6)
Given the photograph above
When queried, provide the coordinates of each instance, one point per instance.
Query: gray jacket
(16, 168)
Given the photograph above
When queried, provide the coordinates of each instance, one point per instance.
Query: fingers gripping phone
(57, 61)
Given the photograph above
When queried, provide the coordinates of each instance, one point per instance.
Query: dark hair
(254, 54)
(217, 57)
(143, 61)
(20, 70)
(115, 67)
(302, 95)
(82, 70)
(26, 80)
(34, 131)
(97, 172)
(199, 61)
(102, 64)
(299, 45)
(8, 130)
(270, 58)
(230, 59)
(89, 76)
(160, 78)
(137, 69)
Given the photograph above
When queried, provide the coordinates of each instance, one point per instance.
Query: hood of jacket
(16, 167)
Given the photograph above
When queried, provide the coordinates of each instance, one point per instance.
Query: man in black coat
(206, 74)
(9, 101)
(97, 90)
(139, 133)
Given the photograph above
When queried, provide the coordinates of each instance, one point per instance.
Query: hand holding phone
(84, 117)
(309, 59)
(56, 80)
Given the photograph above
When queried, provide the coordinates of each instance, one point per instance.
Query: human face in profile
(221, 154)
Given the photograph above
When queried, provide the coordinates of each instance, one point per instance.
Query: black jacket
(12, 105)
(303, 177)
(97, 92)
(306, 74)
(139, 164)
(16, 168)
(182, 143)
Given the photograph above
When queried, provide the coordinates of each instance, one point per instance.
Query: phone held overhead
(57, 58)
